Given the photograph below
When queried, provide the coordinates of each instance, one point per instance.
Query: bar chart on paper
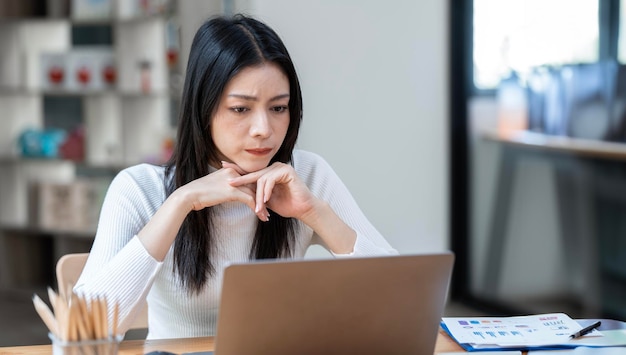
(531, 332)
(527, 330)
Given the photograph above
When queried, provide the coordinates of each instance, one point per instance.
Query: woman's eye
(280, 109)
(239, 109)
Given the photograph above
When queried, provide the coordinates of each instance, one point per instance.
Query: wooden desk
(139, 347)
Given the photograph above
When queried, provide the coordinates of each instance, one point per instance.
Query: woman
(234, 189)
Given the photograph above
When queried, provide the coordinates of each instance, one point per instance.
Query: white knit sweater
(120, 267)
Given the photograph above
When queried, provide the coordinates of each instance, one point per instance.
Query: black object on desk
(585, 330)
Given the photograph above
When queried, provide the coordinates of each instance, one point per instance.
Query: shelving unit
(124, 124)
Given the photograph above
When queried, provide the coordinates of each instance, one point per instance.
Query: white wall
(374, 80)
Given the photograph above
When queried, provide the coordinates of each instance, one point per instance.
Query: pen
(585, 330)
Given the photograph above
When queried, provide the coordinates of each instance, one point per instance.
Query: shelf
(110, 20)
(50, 206)
(125, 122)
(87, 93)
(117, 21)
(4, 92)
(104, 21)
(11, 92)
(80, 165)
(12, 159)
(8, 92)
(35, 231)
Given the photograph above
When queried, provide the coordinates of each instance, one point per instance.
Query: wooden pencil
(46, 314)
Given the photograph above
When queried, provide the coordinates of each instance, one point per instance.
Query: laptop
(365, 305)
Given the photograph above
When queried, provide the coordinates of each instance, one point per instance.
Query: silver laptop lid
(373, 305)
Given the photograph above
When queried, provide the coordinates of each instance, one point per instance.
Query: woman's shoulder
(308, 163)
(141, 177)
(305, 158)
(144, 171)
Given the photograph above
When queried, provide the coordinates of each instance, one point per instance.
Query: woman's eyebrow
(279, 97)
(254, 98)
(244, 97)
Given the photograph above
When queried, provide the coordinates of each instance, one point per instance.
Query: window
(621, 37)
(520, 34)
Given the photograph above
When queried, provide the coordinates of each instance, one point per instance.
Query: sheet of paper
(582, 351)
(496, 352)
(532, 330)
(613, 337)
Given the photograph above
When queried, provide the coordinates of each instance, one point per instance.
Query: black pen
(585, 330)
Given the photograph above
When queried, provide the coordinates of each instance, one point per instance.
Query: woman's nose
(260, 126)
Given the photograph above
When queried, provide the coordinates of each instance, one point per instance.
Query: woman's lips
(259, 151)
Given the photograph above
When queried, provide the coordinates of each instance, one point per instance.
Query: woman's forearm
(335, 233)
(159, 233)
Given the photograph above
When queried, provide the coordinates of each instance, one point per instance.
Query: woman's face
(252, 117)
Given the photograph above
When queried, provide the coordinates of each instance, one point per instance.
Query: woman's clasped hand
(276, 187)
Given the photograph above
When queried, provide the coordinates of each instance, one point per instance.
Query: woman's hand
(277, 187)
(215, 188)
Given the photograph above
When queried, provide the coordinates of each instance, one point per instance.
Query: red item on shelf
(172, 57)
(55, 74)
(74, 146)
(84, 75)
(109, 74)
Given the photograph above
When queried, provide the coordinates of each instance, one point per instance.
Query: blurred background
(490, 128)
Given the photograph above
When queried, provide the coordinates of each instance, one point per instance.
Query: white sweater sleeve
(119, 267)
(326, 185)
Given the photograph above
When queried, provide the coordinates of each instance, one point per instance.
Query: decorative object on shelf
(56, 74)
(68, 207)
(83, 74)
(41, 143)
(172, 43)
(172, 57)
(167, 149)
(79, 69)
(73, 148)
(129, 9)
(145, 68)
(53, 70)
(109, 74)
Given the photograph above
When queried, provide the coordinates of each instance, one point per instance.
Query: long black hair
(221, 48)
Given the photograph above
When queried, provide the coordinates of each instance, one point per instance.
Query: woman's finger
(246, 195)
(249, 196)
(268, 188)
(235, 167)
(260, 208)
(250, 178)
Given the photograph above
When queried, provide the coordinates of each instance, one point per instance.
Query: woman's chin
(252, 167)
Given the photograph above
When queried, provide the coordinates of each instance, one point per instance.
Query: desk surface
(578, 146)
(179, 346)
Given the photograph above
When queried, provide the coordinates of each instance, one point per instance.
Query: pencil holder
(106, 346)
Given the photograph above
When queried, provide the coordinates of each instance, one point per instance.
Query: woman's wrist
(182, 199)
(313, 215)
(335, 233)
